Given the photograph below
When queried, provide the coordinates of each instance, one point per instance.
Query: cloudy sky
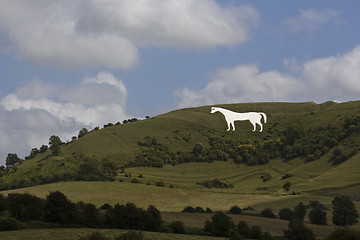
(69, 64)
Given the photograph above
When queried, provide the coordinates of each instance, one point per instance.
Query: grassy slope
(119, 143)
(317, 180)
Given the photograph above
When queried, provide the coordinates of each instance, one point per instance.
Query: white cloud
(76, 34)
(323, 79)
(27, 119)
(311, 19)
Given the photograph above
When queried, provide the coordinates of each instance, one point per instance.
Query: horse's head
(214, 110)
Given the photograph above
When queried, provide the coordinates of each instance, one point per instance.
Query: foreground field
(75, 234)
(275, 226)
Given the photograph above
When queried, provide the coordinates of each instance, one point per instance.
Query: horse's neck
(225, 111)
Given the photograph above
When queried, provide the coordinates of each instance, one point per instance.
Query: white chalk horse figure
(231, 117)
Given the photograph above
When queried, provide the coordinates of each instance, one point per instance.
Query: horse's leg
(228, 123)
(233, 124)
(261, 126)
(254, 125)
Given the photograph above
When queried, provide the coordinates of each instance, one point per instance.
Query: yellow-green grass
(76, 233)
(275, 226)
(181, 188)
(179, 130)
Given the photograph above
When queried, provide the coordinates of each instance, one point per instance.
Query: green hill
(312, 146)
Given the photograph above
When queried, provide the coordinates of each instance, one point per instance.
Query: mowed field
(75, 234)
(181, 189)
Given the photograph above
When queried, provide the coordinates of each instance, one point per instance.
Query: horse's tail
(264, 116)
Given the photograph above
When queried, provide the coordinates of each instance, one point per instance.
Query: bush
(286, 214)
(106, 206)
(317, 216)
(9, 224)
(188, 209)
(199, 210)
(220, 225)
(235, 235)
(25, 207)
(243, 228)
(344, 234)
(298, 231)
(235, 210)
(287, 186)
(267, 213)
(208, 210)
(344, 211)
(177, 227)
(160, 184)
(300, 211)
(255, 232)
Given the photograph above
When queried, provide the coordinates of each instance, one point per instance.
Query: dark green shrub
(344, 233)
(9, 224)
(255, 232)
(344, 211)
(177, 227)
(208, 210)
(267, 213)
(106, 206)
(298, 231)
(220, 225)
(286, 214)
(300, 211)
(287, 186)
(235, 210)
(199, 210)
(317, 216)
(2, 203)
(160, 184)
(25, 207)
(243, 228)
(188, 209)
(235, 235)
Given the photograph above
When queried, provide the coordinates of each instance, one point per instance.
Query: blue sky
(65, 65)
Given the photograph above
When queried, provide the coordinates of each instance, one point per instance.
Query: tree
(344, 211)
(89, 215)
(12, 159)
(267, 213)
(43, 148)
(154, 220)
(255, 232)
(55, 143)
(59, 209)
(317, 216)
(25, 207)
(298, 231)
(286, 214)
(220, 225)
(235, 210)
(243, 228)
(300, 211)
(177, 227)
(344, 234)
(292, 133)
(82, 132)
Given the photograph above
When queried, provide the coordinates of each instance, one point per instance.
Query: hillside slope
(180, 130)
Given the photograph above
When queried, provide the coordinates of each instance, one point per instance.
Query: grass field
(275, 226)
(75, 234)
